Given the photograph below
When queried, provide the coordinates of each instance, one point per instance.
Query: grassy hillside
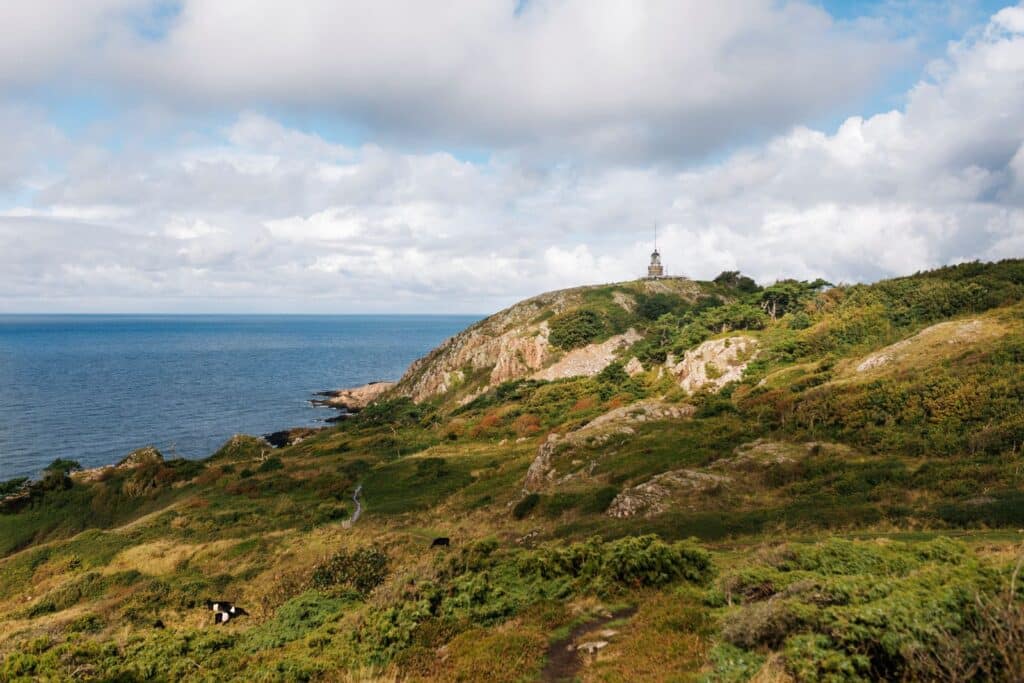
(848, 509)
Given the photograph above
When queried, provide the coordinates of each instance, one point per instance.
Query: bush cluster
(361, 571)
(630, 562)
(576, 328)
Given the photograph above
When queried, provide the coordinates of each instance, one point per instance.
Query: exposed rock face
(508, 343)
(140, 456)
(764, 454)
(937, 340)
(520, 354)
(356, 398)
(513, 344)
(624, 300)
(634, 367)
(543, 470)
(137, 458)
(290, 437)
(714, 363)
(661, 491)
(589, 360)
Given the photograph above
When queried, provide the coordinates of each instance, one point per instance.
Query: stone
(634, 367)
(658, 493)
(713, 364)
(598, 432)
(591, 647)
(589, 360)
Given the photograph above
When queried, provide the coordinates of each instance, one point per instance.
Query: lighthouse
(655, 270)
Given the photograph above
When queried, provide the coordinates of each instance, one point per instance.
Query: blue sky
(398, 156)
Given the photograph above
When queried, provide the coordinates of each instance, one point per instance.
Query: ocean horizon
(93, 387)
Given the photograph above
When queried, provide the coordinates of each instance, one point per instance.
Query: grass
(831, 563)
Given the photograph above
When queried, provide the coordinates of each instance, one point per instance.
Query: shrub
(293, 620)
(12, 485)
(653, 306)
(600, 500)
(766, 623)
(814, 657)
(271, 464)
(525, 506)
(633, 562)
(361, 571)
(576, 328)
(87, 623)
(431, 468)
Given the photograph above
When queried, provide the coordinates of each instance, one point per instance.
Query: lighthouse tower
(655, 270)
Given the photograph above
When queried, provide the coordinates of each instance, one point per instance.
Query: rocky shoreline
(347, 402)
(353, 399)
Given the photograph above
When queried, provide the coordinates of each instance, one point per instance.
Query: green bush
(361, 571)
(525, 506)
(814, 657)
(293, 620)
(576, 328)
(630, 562)
(12, 486)
(271, 464)
(766, 623)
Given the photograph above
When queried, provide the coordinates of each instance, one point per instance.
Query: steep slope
(516, 343)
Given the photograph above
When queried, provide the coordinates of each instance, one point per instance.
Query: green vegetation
(576, 328)
(848, 510)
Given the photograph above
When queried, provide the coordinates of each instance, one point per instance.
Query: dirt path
(564, 663)
(359, 506)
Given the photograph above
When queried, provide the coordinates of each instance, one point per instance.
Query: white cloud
(267, 217)
(619, 79)
(40, 41)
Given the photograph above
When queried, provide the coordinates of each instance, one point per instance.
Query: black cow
(441, 542)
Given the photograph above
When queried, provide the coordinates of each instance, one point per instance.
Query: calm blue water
(93, 388)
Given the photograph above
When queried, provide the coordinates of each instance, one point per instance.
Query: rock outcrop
(513, 344)
(936, 341)
(544, 471)
(765, 454)
(589, 360)
(634, 367)
(354, 399)
(663, 491)
(141, 456)
(713, 364)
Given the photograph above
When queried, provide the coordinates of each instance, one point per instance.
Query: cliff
(516, 343)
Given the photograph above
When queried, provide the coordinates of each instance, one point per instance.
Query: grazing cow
(441, 541)
(158, 624)
(224, 611)
(225, 617)
(219, 605)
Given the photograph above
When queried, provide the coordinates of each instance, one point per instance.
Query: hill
(679, 480)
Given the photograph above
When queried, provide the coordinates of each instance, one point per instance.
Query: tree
(736, 280)
(55, 476)
(787, 295)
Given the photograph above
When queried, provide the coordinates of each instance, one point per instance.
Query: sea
(93, 388)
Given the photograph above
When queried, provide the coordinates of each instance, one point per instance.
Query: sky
(399, 156)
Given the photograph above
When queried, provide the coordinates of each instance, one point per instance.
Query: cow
(441, 542)
(224, 611)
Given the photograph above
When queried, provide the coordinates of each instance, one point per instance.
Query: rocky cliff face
(714, 363)
(515, 344)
